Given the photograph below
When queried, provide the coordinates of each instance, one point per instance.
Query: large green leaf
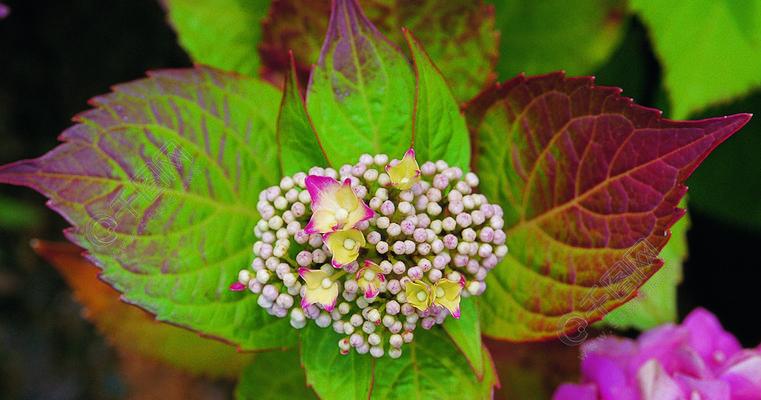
(709, 49)
(550, 35)
(160, 181)
(590, 185)
(429, 368)
(274, 375)
(459, 35)
(465, 332)
(220, 33)
(361, 92)
(438, 127)
(299, 147)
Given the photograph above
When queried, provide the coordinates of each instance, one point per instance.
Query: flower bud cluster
(423, 249)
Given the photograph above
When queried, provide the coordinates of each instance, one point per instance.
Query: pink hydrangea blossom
(697, 360)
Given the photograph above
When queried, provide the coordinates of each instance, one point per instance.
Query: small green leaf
(361, 92)
(431, 367)
(550, 35)
(709, 49)
(220, 33)
(160, 182)
(274, 375)
(438, 127)
(466, 334)
(332, 375)
(298, 145)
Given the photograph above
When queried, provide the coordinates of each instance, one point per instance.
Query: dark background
(55, 55)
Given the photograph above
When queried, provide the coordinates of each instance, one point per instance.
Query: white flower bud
(501, 251)
(383, 179)
(281, 203)
(304, 197)
(396, 340)
(394, 229)
(434, 275)
(433, 209)
(394, 352)
(244, 276)
(275, 222)
(405, 208)
(449, 224)
(324, 320)
(263, 276)
(376, 352)
(264, 302)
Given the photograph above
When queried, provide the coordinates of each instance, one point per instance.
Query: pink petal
(318, 184)
(237, 287)
(568, 391)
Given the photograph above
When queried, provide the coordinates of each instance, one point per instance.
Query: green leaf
(459, 35)
(361, 92)
(656, 303)
(709, 49)
(430, 367)
(545, 36)
(332, 375)
(466, 334)
(161, 182)
(220, 33)
(274, 375)
(298, 145)
(438, 127)
(590, 185)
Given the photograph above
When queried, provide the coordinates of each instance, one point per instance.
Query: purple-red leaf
(590, 184)
(459, 36)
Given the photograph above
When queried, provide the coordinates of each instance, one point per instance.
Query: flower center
(421, 296)
(326, 283)
(439, 292)
(369, 275)
(342, 214)
(349, 244)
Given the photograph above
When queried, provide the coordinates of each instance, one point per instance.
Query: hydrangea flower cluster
(374, 249)
(695, 361)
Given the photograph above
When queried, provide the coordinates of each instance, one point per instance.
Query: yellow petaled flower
(345, 246)
(419, 295)
(369, 279)
(446, 293)
(320, 289)
(335, 206)
(406, 173)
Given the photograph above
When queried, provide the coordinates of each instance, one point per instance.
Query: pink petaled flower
(369, 278)
(335, 206)
(697, 360)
